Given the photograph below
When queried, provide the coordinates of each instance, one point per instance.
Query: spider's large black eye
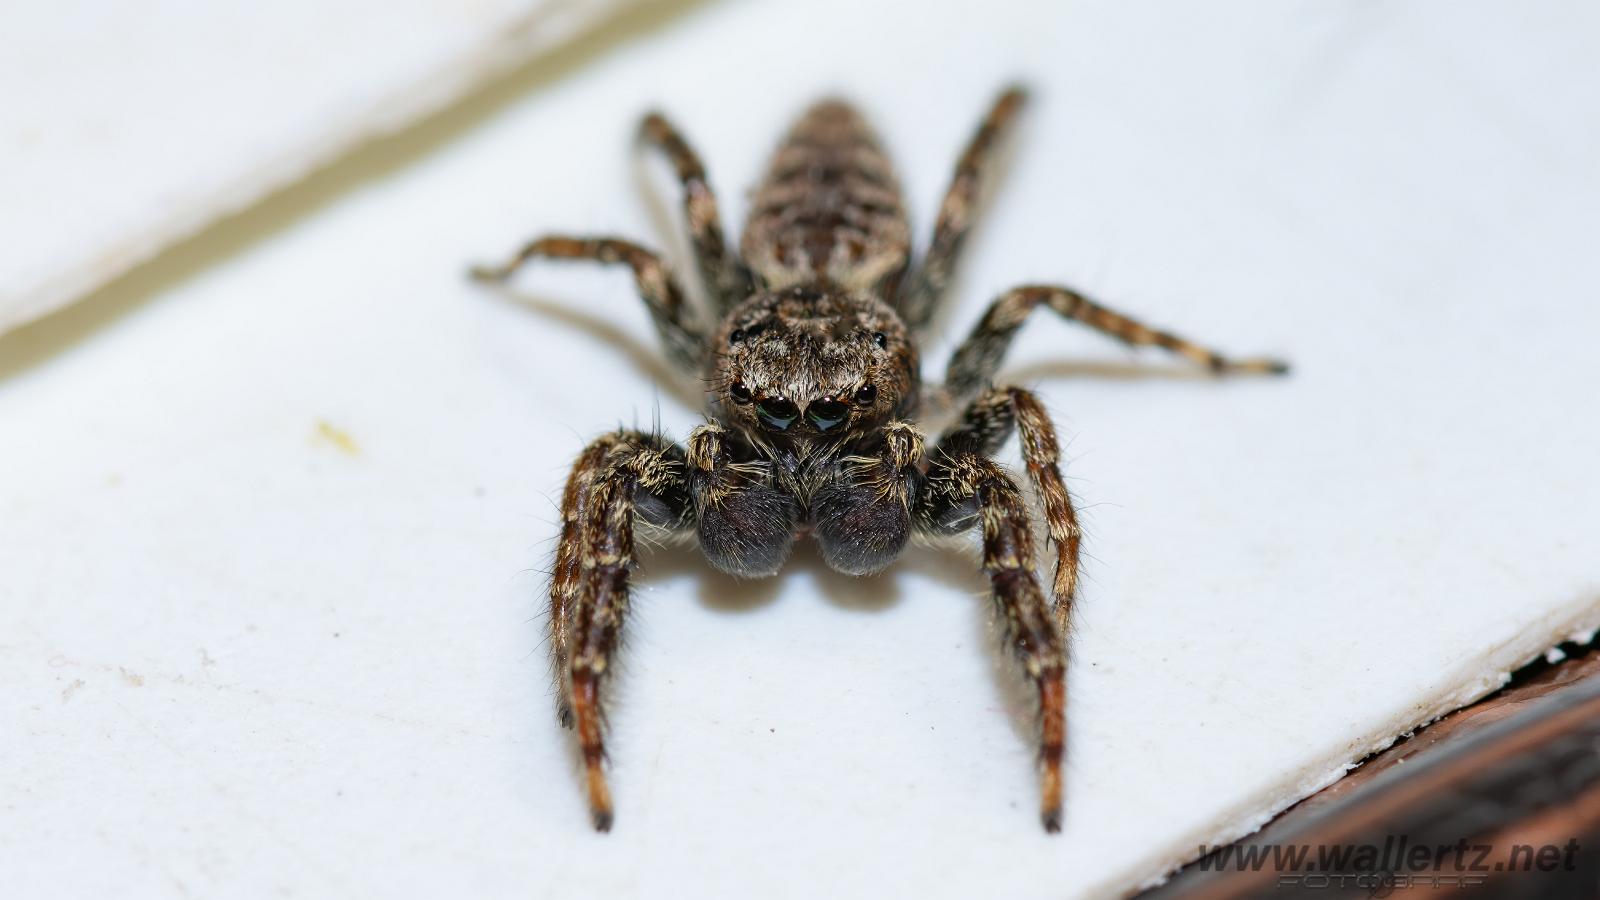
(827, 415)
(740, 335)
(881, 339)
(777, 413)
(739, 392)
(867, 396)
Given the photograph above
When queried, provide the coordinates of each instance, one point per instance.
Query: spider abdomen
(829, 208)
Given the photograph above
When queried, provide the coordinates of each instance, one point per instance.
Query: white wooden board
(130, 125)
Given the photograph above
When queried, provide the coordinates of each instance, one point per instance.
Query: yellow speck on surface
(327, 433)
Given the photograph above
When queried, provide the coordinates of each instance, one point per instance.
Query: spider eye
(867, 396)
(826, 415)
(739, 392)
(881, 339)
(777, 413)
(736, 336)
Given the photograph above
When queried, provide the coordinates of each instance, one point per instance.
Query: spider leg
(988, 423)
(978, 358)
(963, 489)
(726, 278)
(956, 212)
(566, 576)
(683, 339)
(618, 479)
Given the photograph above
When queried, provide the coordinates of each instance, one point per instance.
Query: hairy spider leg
(988, 423)
(725, 277)
(964, 489)
(683, 339)
(957, 211)
(974, 363)
(616, 479)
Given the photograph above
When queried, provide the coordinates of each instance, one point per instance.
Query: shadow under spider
(954, 566)
(724, 593)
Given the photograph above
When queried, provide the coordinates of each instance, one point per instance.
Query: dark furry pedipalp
(862, 517)
(747, 520)
(813, 392)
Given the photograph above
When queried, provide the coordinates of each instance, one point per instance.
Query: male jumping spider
(813, 393)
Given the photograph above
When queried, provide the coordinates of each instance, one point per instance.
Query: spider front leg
(618, 479)
(725, 276)
(956, 212)
(978, 358)
(962, 489)
(988, 423)
(684, 341)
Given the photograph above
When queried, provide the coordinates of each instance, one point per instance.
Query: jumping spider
(813, 393)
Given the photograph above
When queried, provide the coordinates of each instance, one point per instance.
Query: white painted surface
(239, 661)
(133, 124)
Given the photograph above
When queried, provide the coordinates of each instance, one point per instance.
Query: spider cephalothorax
(807, 380)
(813, 394)
(807, 367)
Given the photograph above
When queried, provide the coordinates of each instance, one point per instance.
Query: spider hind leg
(725, 276)
(958, 210)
